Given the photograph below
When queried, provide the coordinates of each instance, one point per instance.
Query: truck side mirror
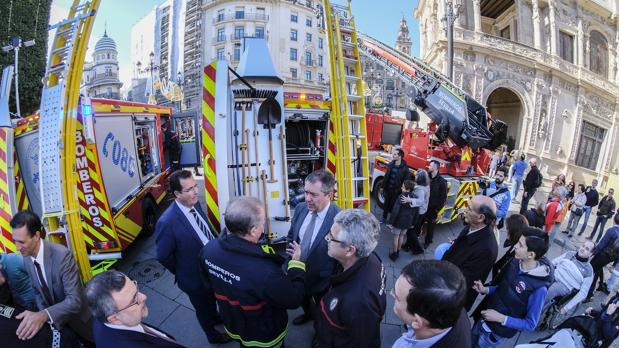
(412, 115)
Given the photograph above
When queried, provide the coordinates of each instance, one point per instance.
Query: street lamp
(151, 68)
(14, 45)
(452, 10)
(179, 82)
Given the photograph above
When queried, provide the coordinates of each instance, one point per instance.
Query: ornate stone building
(548, 68)
(100, 77)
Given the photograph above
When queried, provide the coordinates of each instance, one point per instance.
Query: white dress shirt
(39, 259)
(320, 218)
(193, 222)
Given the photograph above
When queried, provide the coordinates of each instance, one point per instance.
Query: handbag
(579, 211)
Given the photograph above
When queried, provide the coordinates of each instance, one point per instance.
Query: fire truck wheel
(149, 211)
(378, 192)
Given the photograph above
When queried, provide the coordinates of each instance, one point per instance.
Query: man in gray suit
(311, 222)
(55, 278)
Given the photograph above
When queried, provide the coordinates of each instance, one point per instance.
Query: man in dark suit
(475, 250)
(311, 222)
(181, 232)
(56, 281)
(119, 307)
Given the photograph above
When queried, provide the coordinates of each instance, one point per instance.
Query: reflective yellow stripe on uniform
(296, 264)
(276, 343)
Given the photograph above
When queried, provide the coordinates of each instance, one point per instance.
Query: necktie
(306, 243)
(201, 226)
(151, 332)
(44, 288)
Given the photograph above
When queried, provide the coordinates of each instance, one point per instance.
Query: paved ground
(171, 310)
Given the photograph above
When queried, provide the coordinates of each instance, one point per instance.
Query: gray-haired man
(351, 311)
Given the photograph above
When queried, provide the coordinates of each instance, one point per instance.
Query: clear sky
(379, 19)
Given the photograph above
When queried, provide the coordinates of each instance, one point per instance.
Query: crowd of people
(331, 270)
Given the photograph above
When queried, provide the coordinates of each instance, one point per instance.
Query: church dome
(105, 43)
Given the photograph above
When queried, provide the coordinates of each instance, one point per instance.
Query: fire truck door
(187, 126)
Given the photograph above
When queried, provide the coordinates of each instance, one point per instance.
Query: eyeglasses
(136, 298)
(329, 238)
(193, 188)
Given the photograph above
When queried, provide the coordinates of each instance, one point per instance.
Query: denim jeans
(600, 222)
(572, 224)
(516, 183)
(482, 339)
(612, 282)
(587, 213)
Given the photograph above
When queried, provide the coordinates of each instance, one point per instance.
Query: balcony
(108, 96)
(260, 17)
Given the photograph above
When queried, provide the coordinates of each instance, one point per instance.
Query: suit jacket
(475, 255)
(178, 247)
(107, 337)
(63, 280)
(319, 266)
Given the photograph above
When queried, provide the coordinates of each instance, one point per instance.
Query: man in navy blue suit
(311, 221)
(119, 307)
(181, 232)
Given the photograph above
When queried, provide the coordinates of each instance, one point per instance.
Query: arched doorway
(505, 105)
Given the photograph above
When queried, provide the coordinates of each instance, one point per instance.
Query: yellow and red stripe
(331, 165)
(208, 146)
(20, 188)
(6, 240)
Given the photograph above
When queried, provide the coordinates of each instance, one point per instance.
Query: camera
(483, 183)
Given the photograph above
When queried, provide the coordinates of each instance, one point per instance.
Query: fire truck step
(353, 117)
(353, 97)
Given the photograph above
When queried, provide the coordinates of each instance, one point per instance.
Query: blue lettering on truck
(120, 155)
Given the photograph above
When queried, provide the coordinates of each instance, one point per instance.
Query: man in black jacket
(593, 199)
(429, 297)
(475, 250)
(531, 183)
(397, 172)
(352, 309)
(438, 197)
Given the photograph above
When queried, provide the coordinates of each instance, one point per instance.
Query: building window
(308, 75)
(220, 54)
(319, 60)
(320, 42)
(308, 22)
(308, 37)
(293, 35)
(108, 71)
(309, 3)
(293, 73)
(505, 33)
(293, 54)
(591, 139)
(321, 77)
(294, 17)
(598, 53)
(260, 32)
(220, 15)
(221, 35)
(239, 32)
(108, 56)
(566, 48)
(260, 13)
(389, 85)
(237, 53)
(308, 58)
(239, 12)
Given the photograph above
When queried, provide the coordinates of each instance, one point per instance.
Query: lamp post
(452, 10)
(180, 82)
(14, 45)
(150, 68)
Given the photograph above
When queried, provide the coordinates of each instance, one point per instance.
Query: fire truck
(459, 131)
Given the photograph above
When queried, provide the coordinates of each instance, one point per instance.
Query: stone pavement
(170, 309)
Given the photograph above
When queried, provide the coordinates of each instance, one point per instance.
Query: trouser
(573, 223)
(598, 262)
(480, 338)
(390, 198)
(310, 301)
(516, 183)
(553, 232)
(412, 239)
(430, 220)
(206, 311)
(524, 205)
(557, 289)
(587, 213)
(600, 222)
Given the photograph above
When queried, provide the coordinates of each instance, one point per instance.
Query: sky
(118, 16)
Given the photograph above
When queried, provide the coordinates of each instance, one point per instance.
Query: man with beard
(438, 196)
(499, 192)
(397, 172)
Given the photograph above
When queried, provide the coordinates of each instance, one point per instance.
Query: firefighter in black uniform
(251, 289)
(352, 309)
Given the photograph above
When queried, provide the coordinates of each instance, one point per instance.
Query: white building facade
(548, 68)
(100, 76)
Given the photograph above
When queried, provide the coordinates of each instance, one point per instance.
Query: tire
(149, 214)
(379, 193)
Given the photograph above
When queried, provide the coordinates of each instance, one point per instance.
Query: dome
(105, 43)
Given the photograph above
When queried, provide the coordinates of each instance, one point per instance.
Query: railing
(108, 95)
(241, 16)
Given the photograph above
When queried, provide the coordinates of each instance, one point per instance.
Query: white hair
(359, 229)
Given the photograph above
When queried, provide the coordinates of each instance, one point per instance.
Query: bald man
(475, 250)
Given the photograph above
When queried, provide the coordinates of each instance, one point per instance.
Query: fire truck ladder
(58, 125)
(348, 108)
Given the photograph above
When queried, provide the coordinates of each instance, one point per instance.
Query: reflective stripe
(296, 264)
(277, 342)
(238, 303)
(331, 322)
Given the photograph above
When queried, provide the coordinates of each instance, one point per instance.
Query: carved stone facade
(559, 57)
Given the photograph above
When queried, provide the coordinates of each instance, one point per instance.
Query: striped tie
(207, 233)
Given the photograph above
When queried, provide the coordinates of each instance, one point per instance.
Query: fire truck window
(144, 142)
(391, 133)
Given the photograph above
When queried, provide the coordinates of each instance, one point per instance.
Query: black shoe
(394, 255)
(406, 248)
(603, 289)
(220, 338)
(315, 343)
(565, 232)
(426, 245)
(301, 319)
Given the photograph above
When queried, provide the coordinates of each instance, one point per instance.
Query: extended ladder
(58, 126)
(348, 108)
